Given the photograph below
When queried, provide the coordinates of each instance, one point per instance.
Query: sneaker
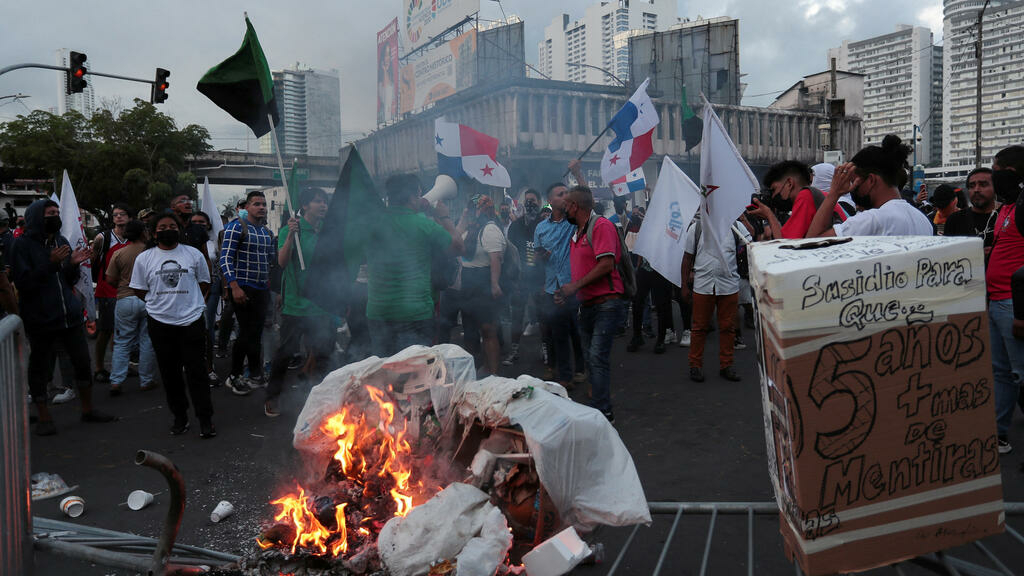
(207, 430)
(684, 339)
(609, 415)
(296, 362)
(101, 376)
(66, 396)
(531, 329)
(729, 373)
(635, 344)
(133, 368)
(670, 336)
(513, 356)
(179, 427)
(739, 344)
(238, 385)
(696, 374)
(270, 409)
(214, 379)
(45, 428)
(1004, 445)
(221, 353)
(258, 382)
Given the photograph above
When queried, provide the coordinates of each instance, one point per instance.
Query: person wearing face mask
(873, 178)
(978, 220)
(531, 280)
(789, 185)
(173, 279)
(1007, 257)
(44, 269)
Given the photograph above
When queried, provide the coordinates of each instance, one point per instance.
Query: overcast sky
(780, 41)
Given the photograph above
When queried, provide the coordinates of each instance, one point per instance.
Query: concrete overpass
(249, 169)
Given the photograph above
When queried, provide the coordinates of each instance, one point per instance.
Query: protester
(130, 331)
(45, 269)
(716, 286)
(481, 270)
(400, 304)
(594, 252)
(979, 220)
(1006, 258)
(201, 220)
(525, 296)
(789, 185)
(227, 313)
(873, 178)
(245, 264)
(301, 320)
(104, 246)
(12, 215)
(945, 203)
(146, 216)
(173, 279)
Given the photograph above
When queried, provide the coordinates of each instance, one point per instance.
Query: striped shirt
(248, 262)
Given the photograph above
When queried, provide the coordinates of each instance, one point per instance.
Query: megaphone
(444, 188)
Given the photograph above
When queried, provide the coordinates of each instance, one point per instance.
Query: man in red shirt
(594, 251)
(789, 183)
(1007, 257)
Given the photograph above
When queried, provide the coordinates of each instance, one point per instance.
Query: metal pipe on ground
(135, 562)
(176, 486)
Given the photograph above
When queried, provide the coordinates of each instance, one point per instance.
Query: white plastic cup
(73, 506)
(222, 511)
(139, 499)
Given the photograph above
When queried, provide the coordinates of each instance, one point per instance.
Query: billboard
(439, 73)
(387, 73)
(422, 20)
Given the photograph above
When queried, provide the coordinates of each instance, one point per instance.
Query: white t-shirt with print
(894, 218)
(171, 279)
(491, 240)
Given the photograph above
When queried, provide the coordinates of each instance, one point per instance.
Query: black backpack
(625, 268)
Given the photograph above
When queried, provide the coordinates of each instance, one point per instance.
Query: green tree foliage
(136, 155)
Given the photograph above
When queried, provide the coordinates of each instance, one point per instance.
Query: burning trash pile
(414, 467)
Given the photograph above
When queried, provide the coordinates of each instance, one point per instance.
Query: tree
(135, 155)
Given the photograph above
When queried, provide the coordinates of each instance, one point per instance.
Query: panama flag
(726, 183)
(632, 182)
(662, 238)
(631, 146)
(462, 151)
(72, 229)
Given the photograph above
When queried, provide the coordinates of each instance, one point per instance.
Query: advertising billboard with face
(387, 73)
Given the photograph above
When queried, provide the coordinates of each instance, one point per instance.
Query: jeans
(181, 348)
(42, 354)
(562, 319)
(1007, 361)
(389, 337)
(129, 331)
(317, 333)
(703, 306)
(660, 289)
(598, 324)
(249, 344)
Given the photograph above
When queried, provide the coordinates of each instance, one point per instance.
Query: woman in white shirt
(173, 279)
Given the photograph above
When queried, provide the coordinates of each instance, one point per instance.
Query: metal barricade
(16, 499)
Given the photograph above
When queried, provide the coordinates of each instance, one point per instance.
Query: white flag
(662, 237)
(72, 229)
(726, 183)
(211, 210)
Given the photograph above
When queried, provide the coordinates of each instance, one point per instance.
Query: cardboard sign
(878, 398)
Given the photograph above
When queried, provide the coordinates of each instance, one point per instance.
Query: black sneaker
(609, 415)
(207, 430)
(696, 374)
(270, 409)
(729, 373)
(179, 427)
(296, 362)
(635, 344)
(1003, 445)
(238, 385)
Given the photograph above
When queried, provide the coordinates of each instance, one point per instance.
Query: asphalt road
(690, 442)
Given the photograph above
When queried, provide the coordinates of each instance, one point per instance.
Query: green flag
(693, 127)
(687, 111)
(242, 85)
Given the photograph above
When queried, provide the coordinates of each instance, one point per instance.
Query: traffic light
(159, 92)
(76, 73)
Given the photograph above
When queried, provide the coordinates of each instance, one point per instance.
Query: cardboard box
(878, 397)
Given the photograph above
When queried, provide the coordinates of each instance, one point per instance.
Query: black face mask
(51, 224)
(197, 233)
(531, 210)
(167, 237)
(1007, 185)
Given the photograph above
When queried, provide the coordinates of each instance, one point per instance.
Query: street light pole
(978, 53)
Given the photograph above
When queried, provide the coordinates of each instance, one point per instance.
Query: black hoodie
(46, 299)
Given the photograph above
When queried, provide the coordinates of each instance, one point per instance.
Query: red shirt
(583, 258)
(103, 288)
(799, 221)
(1007, 255)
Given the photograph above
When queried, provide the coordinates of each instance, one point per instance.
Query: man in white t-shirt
(173, 279)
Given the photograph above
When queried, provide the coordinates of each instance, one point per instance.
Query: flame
(309, 532)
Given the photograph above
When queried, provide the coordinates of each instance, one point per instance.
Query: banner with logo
(439, 73)
(423, 20)
(387, 73)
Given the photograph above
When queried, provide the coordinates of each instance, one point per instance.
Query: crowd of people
(169, 295)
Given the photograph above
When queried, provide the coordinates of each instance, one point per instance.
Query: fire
(375, 458)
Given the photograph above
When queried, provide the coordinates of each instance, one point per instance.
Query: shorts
(476, 292)
(105, 314)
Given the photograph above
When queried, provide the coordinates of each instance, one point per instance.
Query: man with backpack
(103, 248)
(790, 193)
(602, 276)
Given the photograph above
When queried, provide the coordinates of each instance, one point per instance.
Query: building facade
(899, 85)
(1002, 86)
(812, 93)
(600, 39)
(309, 112)
(83, 102)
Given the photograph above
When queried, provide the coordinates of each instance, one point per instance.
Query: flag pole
(284, 182)
(584, 153)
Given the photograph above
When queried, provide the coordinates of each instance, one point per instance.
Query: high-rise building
(309, 113)
(83, 102)
(1002, 87)
(899, 86)
(600, 39)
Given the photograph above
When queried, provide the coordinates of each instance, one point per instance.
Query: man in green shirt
(300, 318)
(400, 305)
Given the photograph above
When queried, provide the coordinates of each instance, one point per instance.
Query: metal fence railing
(15, 499)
